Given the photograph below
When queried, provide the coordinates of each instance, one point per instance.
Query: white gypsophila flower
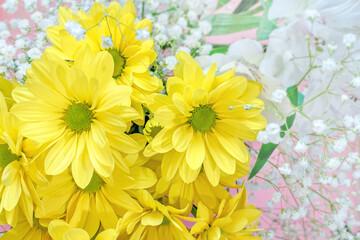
(192, 41)
(175, 32)
(344, 98)
(332, 164)
(285, 169)
(348, 121)
(75, 30)
(329, 65)
(276, 197)
(2, 70)
(319, 126)
(300, 147)
(349, 39)
(30, 5)
(21, 70)
(278, 95)
(184, 49)
(22, 57)
(152, 4)
(192, 17)
(164, 18)
(3, 26)
(205, 49)
(331, 48)
(8, 52)
(34, 53)
(10, 6)
(107, 42)
(5, 34)
(312, 14)
(161, 39)
(263, 137)
(24, 26)
(339, 145)
(205, 27)
(355, 82)
(170, 62)
(37, 17)
(182, 23)
(45, 23)
(273, 129)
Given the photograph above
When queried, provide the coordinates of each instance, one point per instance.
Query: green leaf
(297, 99)
(222, 49)
(221, 3)
(264, 154)
(266, 26)
(245, 5)
(230, 23)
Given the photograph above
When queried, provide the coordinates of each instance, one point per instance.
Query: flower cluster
(90, 148)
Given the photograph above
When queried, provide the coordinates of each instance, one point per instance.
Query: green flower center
(154, 130)
(6, 156)
(78, 117)
(119, 62)
(202, 118)
(95, 184)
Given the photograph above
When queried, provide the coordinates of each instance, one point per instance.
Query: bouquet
(140, 120)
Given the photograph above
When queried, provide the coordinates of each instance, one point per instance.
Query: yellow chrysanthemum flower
(102, 201)
(112, 30)
(233, 220)
(182, 195)
(19, 174)
(60, 230)
(79, 112)
(152, 128)
(205, 119)
(156, 221)
(38, 231)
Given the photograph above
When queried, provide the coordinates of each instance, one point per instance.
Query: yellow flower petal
(152, 219)
(170, 164)
(105, 212)
(57, 229)
(76, 233)
(195, 154)
(182, 137)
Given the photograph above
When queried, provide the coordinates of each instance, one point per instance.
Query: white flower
(5, 34)
(182, 23)
(349, 39)
(263, 137)
(161, 39)
(332, 48)
(319, 126)
(312, 14)
(175, 32)
(75, 30)
(34, 53)
(273, 129)
(329, 65)
(36, 17)
(24, 26)
(10, 6)
(205, 27)
(344, 98)
(192, 16)
(184, 49)
(205, 49)
(348, 121)
(355, 82)
(278, 95)
(340, 144)
(170, 62)
(300, 147)
(107, 42)
(276, 197)
(153, 4)
(285, 169)
(333, 163)
(142, 34)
